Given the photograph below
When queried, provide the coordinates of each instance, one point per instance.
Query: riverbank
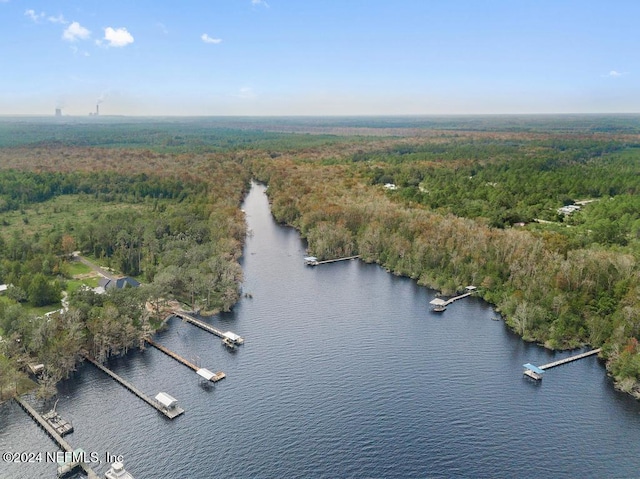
(344, 374)
(562, 301)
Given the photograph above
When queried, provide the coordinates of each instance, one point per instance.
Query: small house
(567, 210)
(118, 283)
(3, 287)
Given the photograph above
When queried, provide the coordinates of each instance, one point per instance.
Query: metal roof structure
(438, 302)
(310, 258)
(205, 373)
(533, 368)
(232, 336)
(166, 400)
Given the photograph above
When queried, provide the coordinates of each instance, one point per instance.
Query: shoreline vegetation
(170, 221)
(447, 202)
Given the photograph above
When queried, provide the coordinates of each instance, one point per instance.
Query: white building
(567, 210)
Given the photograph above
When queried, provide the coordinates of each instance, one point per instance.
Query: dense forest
(484, 210)
(447, 201)
(175, 225)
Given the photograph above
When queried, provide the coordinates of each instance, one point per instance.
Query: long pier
(229, 337)
(170, 413)
(569, 359)
(315, 262)
(456, 298)
(201, 324)
(201, 371)
(51, 432)
(536, 372)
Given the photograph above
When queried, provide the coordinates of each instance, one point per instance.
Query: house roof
(438, 302)
(118, 283)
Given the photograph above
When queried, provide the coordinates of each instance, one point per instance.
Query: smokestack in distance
(97, 109)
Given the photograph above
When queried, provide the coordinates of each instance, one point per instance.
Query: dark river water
(344, 374)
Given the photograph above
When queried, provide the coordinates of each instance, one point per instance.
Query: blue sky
(330, 57)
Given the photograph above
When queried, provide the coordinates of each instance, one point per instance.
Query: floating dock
(205, 373)
(536, 372)
(66, 468)
(313, 261)
(169, 412)
(228, 335)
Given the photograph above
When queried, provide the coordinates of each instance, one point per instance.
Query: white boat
(117, 471)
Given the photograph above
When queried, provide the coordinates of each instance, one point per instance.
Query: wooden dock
(52, 433)
(213, 377)
(201, 324)
(327, 261)
(536, 372)
(456, 298)
(170, 413)
(208, 328)
(439, 304)
(569, 359)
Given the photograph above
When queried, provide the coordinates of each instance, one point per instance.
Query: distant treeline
(18, 189)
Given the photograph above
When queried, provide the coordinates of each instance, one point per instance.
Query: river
(344, 374)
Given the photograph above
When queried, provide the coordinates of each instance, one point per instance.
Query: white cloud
(614, 74)
(207, 39)
(36, 17)
(117, 37)
(74, 32)
(59, 19)
(260, 2)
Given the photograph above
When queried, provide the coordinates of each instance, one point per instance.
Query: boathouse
(168, 402)
(534, 372)
(233, 337)
(438, 304)
(310, 260)
(206, 374)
